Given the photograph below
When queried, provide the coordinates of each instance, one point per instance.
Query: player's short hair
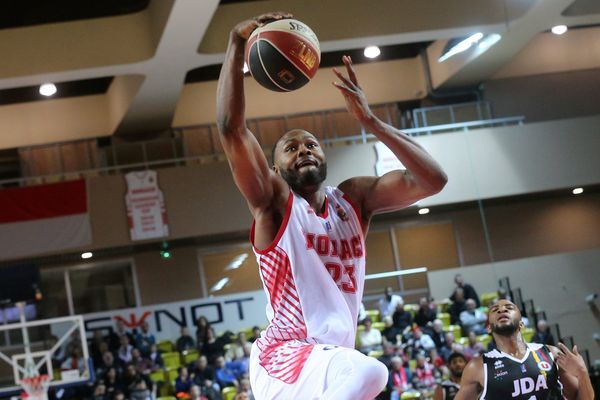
(456, 355)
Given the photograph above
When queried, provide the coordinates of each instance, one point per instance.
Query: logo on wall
(145, 206)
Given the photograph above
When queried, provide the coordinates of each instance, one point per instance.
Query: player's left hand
(570, 361)
(356, 101)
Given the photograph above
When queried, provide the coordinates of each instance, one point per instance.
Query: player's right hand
(245, 28)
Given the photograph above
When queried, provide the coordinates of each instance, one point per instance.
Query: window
(231, 271)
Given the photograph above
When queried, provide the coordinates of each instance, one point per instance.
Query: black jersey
(535, 377)
(449, 389)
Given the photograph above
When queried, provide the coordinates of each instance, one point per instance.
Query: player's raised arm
(471, 381)
(397, 189)
(573, 373)
(248, 163)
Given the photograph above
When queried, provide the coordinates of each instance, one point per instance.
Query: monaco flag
(42, 219)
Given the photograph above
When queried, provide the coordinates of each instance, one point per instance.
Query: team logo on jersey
(328, 227)
(523, 369)
(498, 364)
(544, 366)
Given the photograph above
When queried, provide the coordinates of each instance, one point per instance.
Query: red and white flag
(43, 219)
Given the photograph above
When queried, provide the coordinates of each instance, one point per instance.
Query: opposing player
(519, 370)
(448, 389)
(309, 240)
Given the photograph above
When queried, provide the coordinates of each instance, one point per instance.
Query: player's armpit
(471, 381)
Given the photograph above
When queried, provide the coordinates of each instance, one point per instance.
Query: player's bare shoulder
(472, 381)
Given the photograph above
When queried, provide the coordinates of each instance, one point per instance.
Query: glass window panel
(380, 258)
(54, 301)
(102, 288)
(231, 271)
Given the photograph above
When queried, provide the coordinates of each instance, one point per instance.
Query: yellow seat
(376, 353)
(484, 340)
(378, 325)
(171, 360)
(463, 341)
(456, 331)
(157, 376)
(190, 356)
(487, 298)
(166, 398)
(165, 346)
(171, 375)
(527, 334)
(412, 365)
(228, 393)
(410, 395)
(445, 318)
(374, 315)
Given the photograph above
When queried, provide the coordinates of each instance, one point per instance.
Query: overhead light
(245, 69)
(461, 46)
(396, 273)
(372, 51)
(577, 190)
(47, 89)
(236, 262)
(423, 211)
(559, 29)
(87, 254)
(219, 285)
(166, 254)
(489, 41)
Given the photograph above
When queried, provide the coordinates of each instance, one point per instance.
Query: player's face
(457, 365)
(300, 160)
(504, 318)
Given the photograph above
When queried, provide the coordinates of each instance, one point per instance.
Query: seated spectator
(131, 380)
(202, 328)
(424, 376)
(108, 361)
(196, 393)
(399, 380)
(118, 395)
(144, 339)
(225, 376)
(469, 291)
(140, 391)
(362, 313)
(59, 355)
(114, 337)
(542, 334)
(474, 348)
(437, 333)
(472, 319)
(155, 358)
(75, 360)
(204, 376)
(425, 314)
(183, 382)
(112, 382)
(450, 346)
(99, 392)
(458, 305)
(402, 319)
(241, 396)
(419, 342)
(185, 341)
(236, 349)
(389, 352)
(390, 333)
(389, 302)
(124, 352)
(211, 347)
(255, 334)
(245, 388)
(142, 364)
(97, 346)
(370, 339)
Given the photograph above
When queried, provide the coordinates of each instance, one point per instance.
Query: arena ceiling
(124, 67)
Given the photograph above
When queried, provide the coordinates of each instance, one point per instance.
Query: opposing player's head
(504, 318)
(456, 364)
(299, 159)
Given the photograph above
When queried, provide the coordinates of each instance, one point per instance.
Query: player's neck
(314, 196)
(513, 345)
(455, 379)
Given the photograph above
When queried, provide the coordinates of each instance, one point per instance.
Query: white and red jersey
(313, 274)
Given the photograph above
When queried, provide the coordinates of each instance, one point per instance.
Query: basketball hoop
(36, 387)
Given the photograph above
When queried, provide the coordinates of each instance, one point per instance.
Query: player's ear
(521, 325)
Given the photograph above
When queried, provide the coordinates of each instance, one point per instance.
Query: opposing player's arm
(438, 394)
(397, 189)
(471, 381)
(250, 168)
(573, 373)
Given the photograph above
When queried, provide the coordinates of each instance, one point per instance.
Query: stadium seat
(165, 346)
(228, 393)
(456, 331)
(484, 340)
(166, 398)
(410, 395)
(445, 318)
(487, 298)
(374, 315)
(378, 325)
(171, 375)
(190, 356)
(376, 353)
(171, 360)
(527, 334)
(157, 376)
(412, 365)
(463, 341)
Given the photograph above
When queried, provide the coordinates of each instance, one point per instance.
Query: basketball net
(35, 387)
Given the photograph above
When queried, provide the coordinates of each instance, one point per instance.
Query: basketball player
(447, 389)
(310, 240)
(519, 370)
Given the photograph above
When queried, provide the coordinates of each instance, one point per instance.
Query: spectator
(212, 347)
(196, 393)
(370, 339)
(542, 334)
(202, 328)
(420, 342)
(399, 380)
(425, 314)
(142, 364)
(108, 361)
(236, 349)
(472, 319)
(204, 376)
(225, 376)
(112, 382)
(155, 358)
(474, 348)
(424, 376)
(144, 339)
(114, 338)
(437, 333)
(75, 360)
(255, 333)
(124, 353)
(183, 382)
(458, 305)
(140, 391)
(131, 380)
(99, 392)
(362, 313)
(469, 291)
(185, 341)
(402, 318)
(389, 302)
(450, 346)
(245, 388)
(97, 347)
(118, 395)
(241, 396)
(390, 332)
(389, 352)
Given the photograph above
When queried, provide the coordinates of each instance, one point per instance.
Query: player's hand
(244, 29)
(356, 101)
(570, 361)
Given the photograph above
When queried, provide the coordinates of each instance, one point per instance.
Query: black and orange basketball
(283, 55)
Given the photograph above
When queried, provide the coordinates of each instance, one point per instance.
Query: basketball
(283, 55)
